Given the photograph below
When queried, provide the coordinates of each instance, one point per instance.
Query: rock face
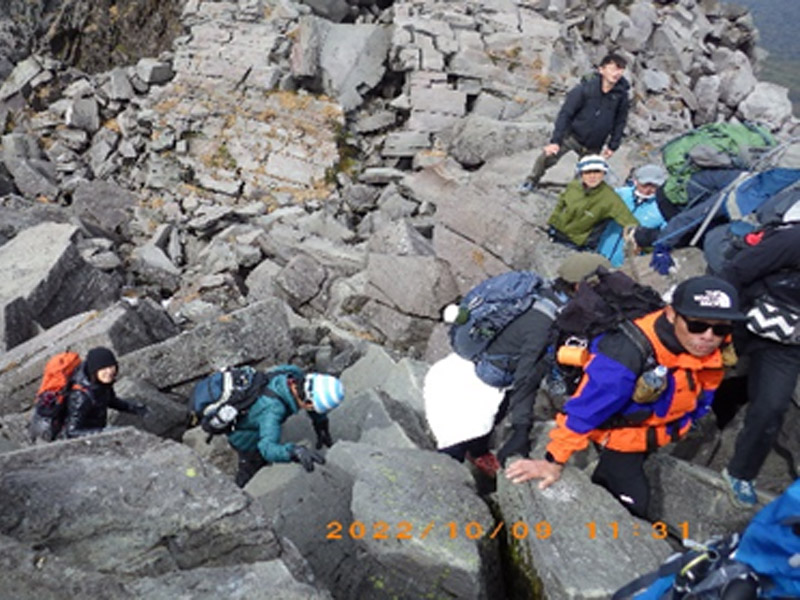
(207, 183)
(405, 547)
(92, 520)
(574, 539)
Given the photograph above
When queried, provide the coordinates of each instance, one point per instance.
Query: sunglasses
(719, 329)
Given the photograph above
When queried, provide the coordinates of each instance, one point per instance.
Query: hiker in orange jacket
(685, 337)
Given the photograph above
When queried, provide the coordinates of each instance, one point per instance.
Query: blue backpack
(487, 309)
(218, 401)
(763, 563)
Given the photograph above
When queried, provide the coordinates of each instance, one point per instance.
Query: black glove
(139, 409)
(323, 434)
(519, 443)
(306, 457)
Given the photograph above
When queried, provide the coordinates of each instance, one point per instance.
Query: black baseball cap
(707, 297)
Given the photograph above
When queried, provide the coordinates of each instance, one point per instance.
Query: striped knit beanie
(592, 162)
(326, 392)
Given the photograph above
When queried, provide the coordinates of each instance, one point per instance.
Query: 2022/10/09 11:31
(657, 530)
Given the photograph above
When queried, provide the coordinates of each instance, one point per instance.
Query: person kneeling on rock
(256, 437)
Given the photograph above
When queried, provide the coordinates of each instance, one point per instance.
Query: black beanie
(99, 358)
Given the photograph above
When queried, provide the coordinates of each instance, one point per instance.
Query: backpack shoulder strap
(641, 341)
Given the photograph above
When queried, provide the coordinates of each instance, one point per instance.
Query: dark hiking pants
(771, 379)
(249, 464)
(544, 162)
(622, 474)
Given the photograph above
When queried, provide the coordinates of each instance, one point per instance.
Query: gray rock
(21, 145)
(360, 198)
(400, 239)
(238, 337)
(368, 485)
(137, 530)
(253, 580)
(333, 10)
(119, 85)
(381, 175)
(42, 266)
(24, 72)
(767, 103)
(475, 139)
(395, 328)
(711, 511)
(103, 205)
(352, 61)
(301, 280)
(564, 537)
(655, 81)
(35, 179)
(405, 143)
(153, 71)
(706, 91)
(415, 285)
(260, 282)
(167, 414)
(84, 113)
(736, 80)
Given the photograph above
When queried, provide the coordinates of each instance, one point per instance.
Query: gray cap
(655, 174)
(577, 266)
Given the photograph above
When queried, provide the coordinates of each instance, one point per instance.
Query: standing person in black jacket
(92, 394)
(591, 120)
(767, 268)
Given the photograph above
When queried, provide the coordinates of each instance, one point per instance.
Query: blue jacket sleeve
(606, 388)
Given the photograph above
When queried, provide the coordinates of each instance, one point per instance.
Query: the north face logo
(713, 299)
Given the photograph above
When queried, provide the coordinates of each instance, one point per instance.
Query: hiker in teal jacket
(257, 436)
(586, 205)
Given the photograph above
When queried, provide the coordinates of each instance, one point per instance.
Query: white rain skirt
(458, 405)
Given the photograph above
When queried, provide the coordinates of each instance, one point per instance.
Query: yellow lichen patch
(292, 101)
(266, 115)
(478, 257)
(167, 105)
(113, 12)
(113, 125)
(543, 81)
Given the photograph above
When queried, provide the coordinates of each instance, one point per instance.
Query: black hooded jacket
(593, 117)
(88, 403)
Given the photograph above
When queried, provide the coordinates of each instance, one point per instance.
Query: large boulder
(574, 540)
(361, 525)
(44, 280)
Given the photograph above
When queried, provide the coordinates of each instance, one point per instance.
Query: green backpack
(712, 146)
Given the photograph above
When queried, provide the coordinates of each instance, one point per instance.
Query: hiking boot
(527, 186)
(487, 464)
(742, 491)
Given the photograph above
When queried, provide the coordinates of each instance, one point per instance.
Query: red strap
(754, 239)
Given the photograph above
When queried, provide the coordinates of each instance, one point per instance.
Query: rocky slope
(202, 183)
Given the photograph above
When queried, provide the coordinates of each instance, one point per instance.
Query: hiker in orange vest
(612, 406)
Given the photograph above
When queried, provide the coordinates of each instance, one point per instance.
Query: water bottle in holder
(650, 384)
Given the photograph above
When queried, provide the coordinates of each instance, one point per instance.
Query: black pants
(249, 464)
(771, 379)
(622, 474)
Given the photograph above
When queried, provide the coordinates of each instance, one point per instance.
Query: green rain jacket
(579, 210)
(260, 428)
